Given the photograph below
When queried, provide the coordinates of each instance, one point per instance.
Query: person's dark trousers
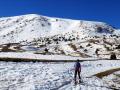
(75, 76)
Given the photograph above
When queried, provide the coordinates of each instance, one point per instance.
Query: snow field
(52, 76)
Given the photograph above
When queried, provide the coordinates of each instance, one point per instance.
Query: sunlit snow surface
(52, 76)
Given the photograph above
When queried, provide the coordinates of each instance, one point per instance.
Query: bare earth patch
(105, 73)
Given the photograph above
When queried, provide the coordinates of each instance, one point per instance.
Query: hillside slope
(56, 35)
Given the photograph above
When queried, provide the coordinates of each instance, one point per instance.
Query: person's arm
(74, 67)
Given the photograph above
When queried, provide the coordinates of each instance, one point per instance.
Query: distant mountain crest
(48, 35)
(32, 26)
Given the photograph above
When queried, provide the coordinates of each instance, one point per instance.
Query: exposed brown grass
(106, 73)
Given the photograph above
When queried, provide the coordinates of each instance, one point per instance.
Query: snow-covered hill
(44, 38)
(30, 27)
(56, 35)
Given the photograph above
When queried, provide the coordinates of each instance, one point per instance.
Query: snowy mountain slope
(28, 36)
(41, 32)
(29, 27)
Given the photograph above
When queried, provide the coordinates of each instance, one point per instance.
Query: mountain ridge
(57, 35)
(48, 25)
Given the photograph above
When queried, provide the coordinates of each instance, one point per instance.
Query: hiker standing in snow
(77, 71)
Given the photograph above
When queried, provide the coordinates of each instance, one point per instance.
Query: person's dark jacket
(77, 66)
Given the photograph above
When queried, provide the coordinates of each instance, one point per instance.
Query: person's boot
(80, 81)
(75, 82)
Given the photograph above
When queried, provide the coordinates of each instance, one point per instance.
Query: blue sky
(96, 10)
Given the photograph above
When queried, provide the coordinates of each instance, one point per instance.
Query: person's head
(78, 60)
(112, 53)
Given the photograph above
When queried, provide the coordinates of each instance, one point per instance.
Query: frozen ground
(53, 76)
